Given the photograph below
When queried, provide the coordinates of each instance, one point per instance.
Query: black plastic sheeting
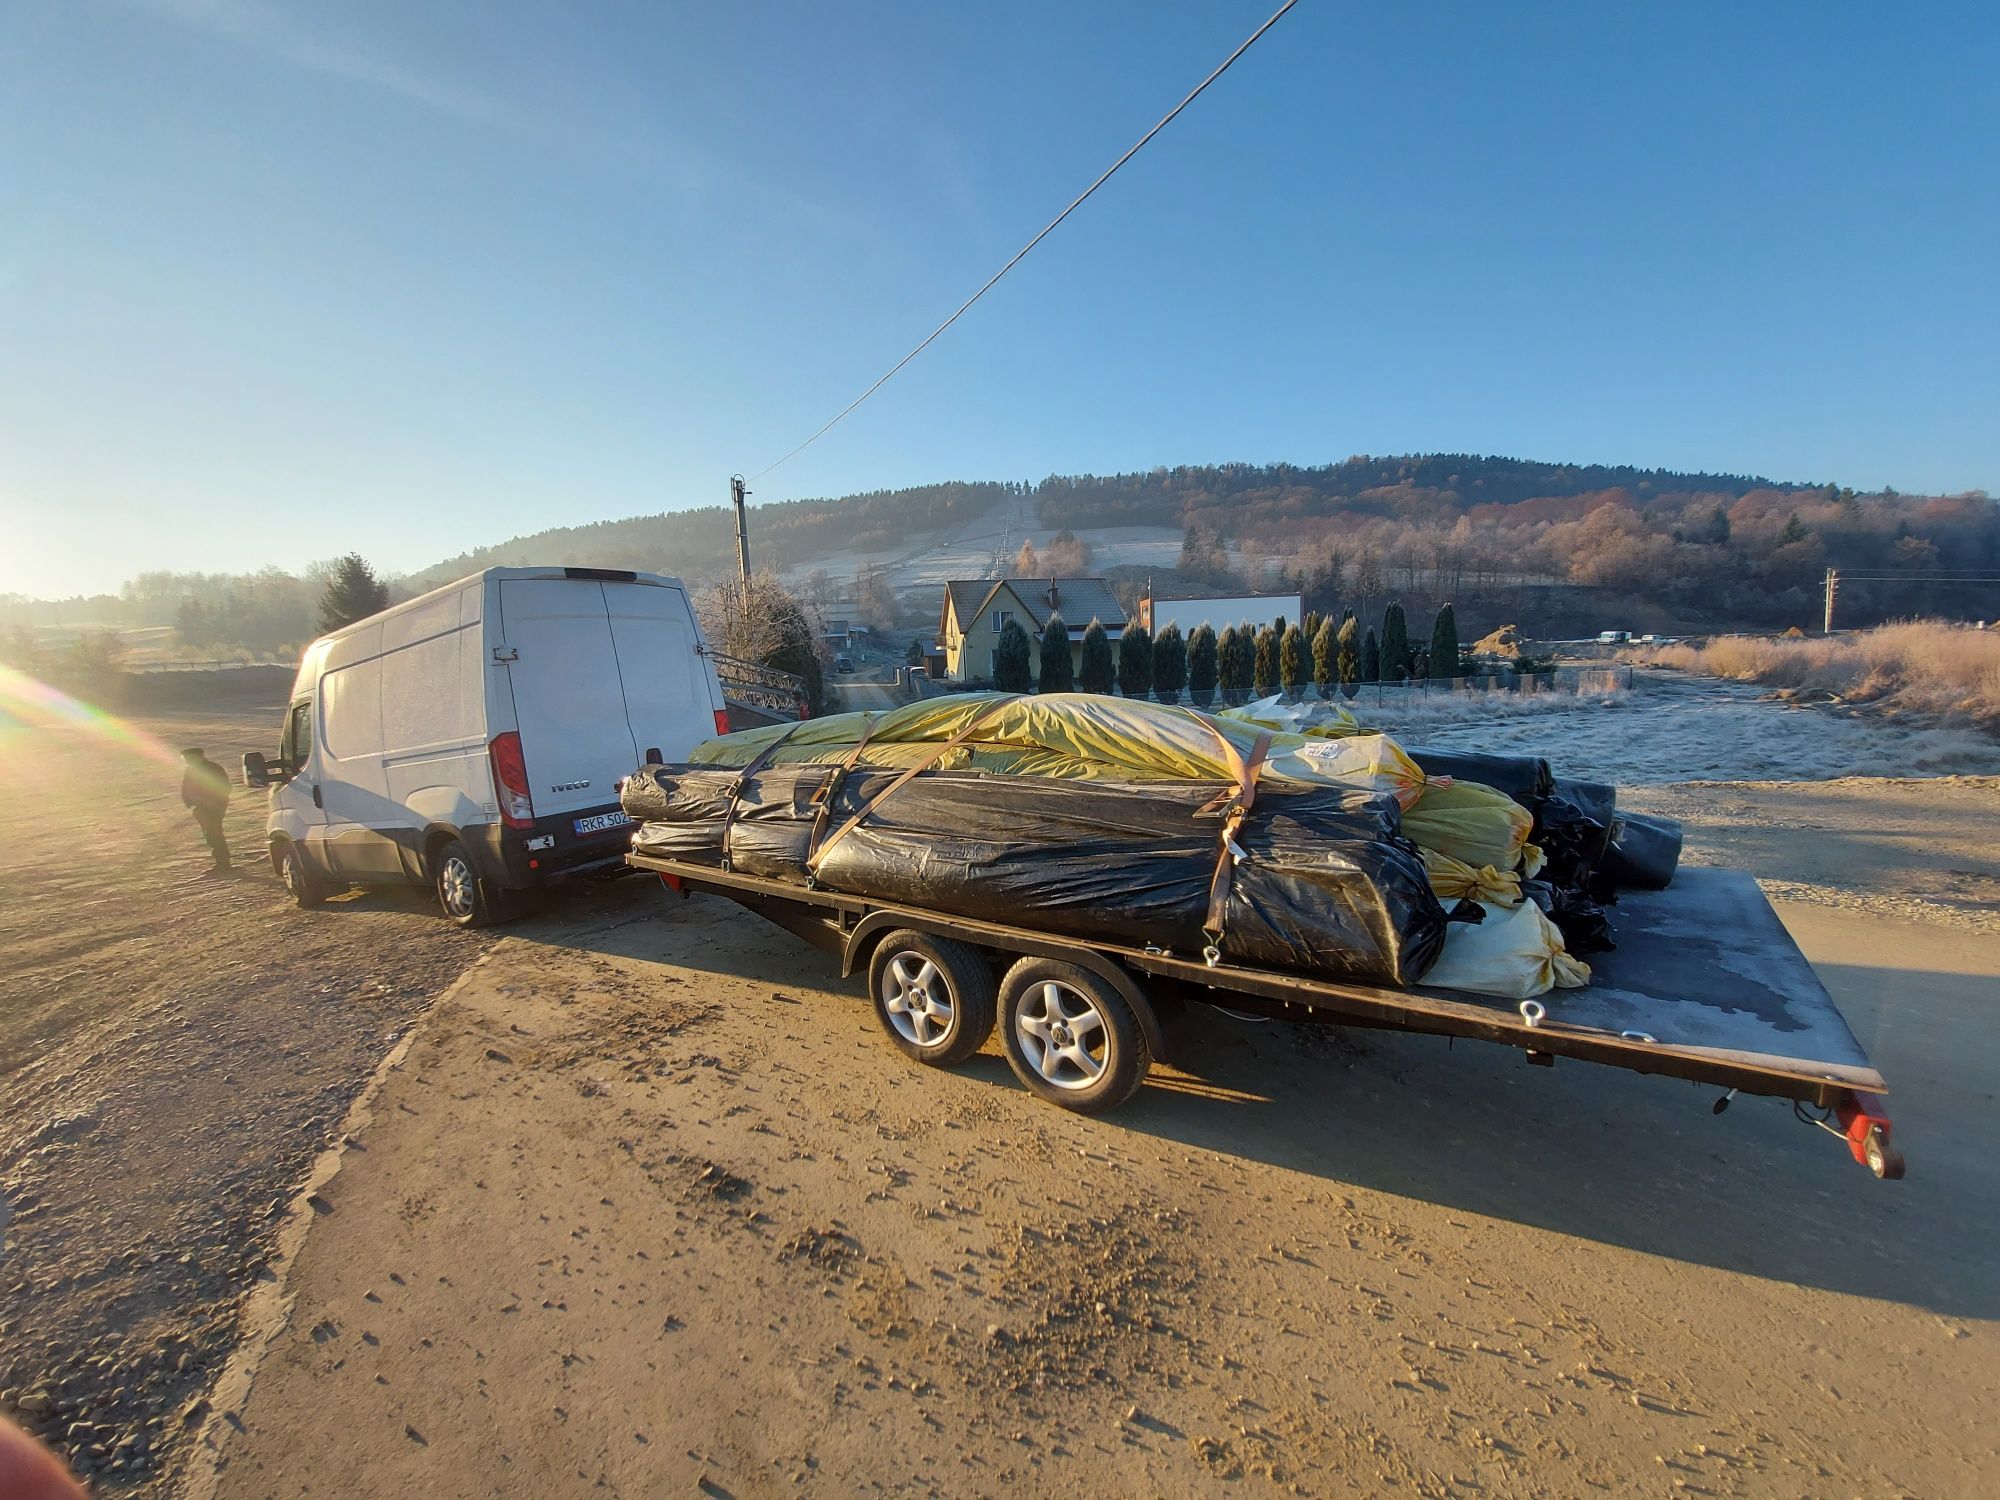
(1525, 778)
(1323, 882)
(1644, 851)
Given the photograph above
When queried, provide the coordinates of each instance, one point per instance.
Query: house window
(1002, 618)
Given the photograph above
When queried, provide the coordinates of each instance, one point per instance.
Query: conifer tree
(1267, 662)
(1056, 676)
(1294, 661)
(1326, 665)
(1012, 658)
(1229, 663)
(353, 592)
(1395, 644)
(1350, 658)
(1170, 664)
(1444, 646)
(1135, 661)
(1094, 668)
(1202, 664)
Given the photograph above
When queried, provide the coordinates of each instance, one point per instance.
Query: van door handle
(317, 800)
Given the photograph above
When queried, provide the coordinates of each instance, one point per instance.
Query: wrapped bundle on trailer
(1304, 878)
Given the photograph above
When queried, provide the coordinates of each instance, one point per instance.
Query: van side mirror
(256, 772)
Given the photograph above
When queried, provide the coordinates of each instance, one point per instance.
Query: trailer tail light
(722, 721)
(510, 781)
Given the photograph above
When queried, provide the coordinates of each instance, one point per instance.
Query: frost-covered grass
(1674, 728)
(1442, 709)
(1925, 666)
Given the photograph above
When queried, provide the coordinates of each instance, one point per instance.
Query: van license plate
(600, 822)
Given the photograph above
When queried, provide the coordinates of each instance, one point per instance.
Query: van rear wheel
(462, 896)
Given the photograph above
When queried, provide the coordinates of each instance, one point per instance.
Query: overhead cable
(1021, 254)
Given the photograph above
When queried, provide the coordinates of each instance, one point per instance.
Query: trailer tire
(912, 977)
(1070, 1037)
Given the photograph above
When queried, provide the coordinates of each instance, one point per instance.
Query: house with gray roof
(976, 610)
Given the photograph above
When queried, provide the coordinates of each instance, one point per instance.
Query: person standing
(205, 792)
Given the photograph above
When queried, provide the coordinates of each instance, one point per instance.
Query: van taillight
(510, 781)
(722, 721)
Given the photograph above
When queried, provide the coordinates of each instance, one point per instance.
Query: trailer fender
(861, 941)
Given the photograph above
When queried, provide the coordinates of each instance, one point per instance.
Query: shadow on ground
(1578, 1149)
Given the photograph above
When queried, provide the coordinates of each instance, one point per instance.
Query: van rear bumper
(552, 850)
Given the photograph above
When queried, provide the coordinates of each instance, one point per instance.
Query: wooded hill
(1669, 550)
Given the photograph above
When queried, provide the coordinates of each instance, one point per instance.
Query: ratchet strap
(755, 764)
(823, 798)
(817, 851)
(1235, 807)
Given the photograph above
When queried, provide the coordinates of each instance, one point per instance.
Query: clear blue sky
(280, 281)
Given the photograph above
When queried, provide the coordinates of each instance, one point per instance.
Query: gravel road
(174, 1050)
(649, 1204)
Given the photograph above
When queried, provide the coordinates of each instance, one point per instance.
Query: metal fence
(755, 685)
(1578, 681)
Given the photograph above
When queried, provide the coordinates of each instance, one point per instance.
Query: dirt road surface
(646, 1198)
(650, 1208)
(173, 1052)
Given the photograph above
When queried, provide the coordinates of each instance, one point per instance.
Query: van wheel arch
(435, 838)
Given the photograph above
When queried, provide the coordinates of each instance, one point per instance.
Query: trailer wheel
(1070, 1036)
(933, 996)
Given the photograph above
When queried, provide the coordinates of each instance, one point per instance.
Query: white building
(1220, 611)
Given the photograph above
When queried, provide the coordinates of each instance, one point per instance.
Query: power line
(1847, 577)
(1020, 255)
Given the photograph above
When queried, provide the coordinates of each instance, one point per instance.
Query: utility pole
(736, 494)
(1832, 592)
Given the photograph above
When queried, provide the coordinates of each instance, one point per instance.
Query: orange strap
(819, 851)
(1247, 770)
(823, 798)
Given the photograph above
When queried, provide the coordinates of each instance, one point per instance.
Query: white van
(473, 739)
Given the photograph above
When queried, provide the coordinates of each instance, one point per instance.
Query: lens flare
(29, 703)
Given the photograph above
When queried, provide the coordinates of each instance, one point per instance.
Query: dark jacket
(205, 787)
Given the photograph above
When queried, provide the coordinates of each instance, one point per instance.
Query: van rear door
(569, 702)
(668, 699)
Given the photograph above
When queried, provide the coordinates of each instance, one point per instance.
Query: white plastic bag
(1515, 954)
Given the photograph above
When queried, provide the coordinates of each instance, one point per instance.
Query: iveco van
(473, 739)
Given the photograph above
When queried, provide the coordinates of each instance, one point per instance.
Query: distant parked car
(843, 664)
(1613, 637)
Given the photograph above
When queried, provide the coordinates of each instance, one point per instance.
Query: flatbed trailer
(1705, 984)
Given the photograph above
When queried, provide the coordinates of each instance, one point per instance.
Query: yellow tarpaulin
(1471, 823)
(1455, 880)
(1083, 736)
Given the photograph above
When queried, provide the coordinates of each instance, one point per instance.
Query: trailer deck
(1705, 984)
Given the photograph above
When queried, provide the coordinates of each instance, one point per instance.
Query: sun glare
(29, 703)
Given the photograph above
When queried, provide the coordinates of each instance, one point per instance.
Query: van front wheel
(462, 895)
(301, 884)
